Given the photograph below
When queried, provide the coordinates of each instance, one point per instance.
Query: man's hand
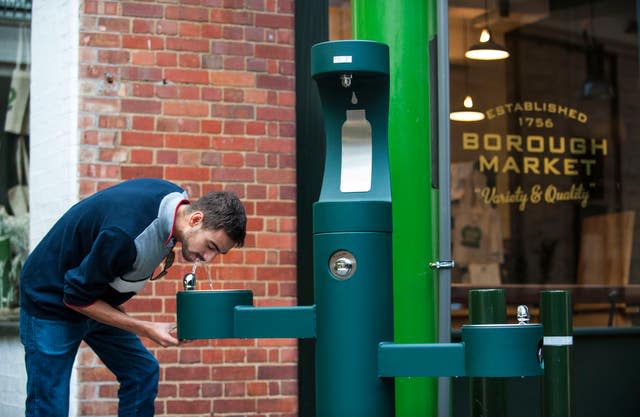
(160, 333)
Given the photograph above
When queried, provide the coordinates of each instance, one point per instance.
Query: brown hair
(223, 210)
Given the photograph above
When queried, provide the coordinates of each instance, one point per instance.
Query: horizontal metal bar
(423, 359)
(275, 322)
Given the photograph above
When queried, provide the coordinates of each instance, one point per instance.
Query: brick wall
(200, 92)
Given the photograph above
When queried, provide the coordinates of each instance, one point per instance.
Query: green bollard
(556, 316)
(487, 306)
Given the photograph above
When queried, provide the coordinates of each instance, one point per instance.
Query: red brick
(140, 304)
(113, 57)
(141, 73)
(190, 406)
(189, 30)
(233, 373)
(211, 390)
(187, 141)
(221, 406)
(233, 127)
(187, 76)
(110, 24)
(167, 27)
(141, 106)
(100, 40)
(282, 405)
(189, 60)
(91, 6)
(166, 59)
(142, 123)
(199, 14)
(233, 78)
(190, 356)
(187, 373)
(187, 173)
(211, 126)
(141, 156)
(182, 108)
(273, 20)
(141, 139)
(233, 160)
(276, 274)
(141, 172)
(237, 17)
(143, 90)
(234, 143)
(211, 31)
(192, 45)
(274, 52)
(141, 10)
(233, 175)
(274, 82)
(142, 26)
(233, 111)
(142, 42)
(112, 122)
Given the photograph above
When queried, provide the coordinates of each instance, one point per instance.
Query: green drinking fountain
(352, 319)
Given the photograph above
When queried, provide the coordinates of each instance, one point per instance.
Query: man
(98, 255)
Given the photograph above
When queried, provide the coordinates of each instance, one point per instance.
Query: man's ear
(195, 218)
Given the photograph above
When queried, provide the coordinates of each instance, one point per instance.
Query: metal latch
(442, 264)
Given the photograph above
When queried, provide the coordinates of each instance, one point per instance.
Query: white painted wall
(53, 177)
(53, 183)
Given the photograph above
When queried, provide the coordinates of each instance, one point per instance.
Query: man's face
(204, 245)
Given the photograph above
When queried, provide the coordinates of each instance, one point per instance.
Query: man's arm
(105, 313)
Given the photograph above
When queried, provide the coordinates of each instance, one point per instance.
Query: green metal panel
(502, 350)
(353, 316)
(487, 350)
(208, 314)
(275, 322)
(407, 27)
(424, 359)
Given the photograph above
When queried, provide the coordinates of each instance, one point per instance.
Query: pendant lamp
(486, 49)
(466, 113)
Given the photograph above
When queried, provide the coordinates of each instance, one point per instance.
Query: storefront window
(545, 185)
(545, 175)
(15, 59)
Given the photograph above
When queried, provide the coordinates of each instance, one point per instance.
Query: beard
(187, 254)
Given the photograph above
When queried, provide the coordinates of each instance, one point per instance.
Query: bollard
(487, 306)
(556, 316)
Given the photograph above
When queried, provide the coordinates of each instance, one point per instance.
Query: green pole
(556, 316)
(487, 306)
(407, 26)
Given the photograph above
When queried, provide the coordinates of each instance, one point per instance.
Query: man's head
(215, 223)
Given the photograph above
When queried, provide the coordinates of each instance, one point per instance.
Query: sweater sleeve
(112, 255)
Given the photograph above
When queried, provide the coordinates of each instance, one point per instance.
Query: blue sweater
(103, 248)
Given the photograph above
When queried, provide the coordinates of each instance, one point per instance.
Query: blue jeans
(50, 349)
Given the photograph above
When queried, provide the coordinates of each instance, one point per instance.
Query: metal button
(342, 264)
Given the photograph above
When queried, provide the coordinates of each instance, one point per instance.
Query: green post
(352, 230)
(556, 314)
(408, 26)
(487, 306)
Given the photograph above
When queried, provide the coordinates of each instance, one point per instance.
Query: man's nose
(209, 256)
